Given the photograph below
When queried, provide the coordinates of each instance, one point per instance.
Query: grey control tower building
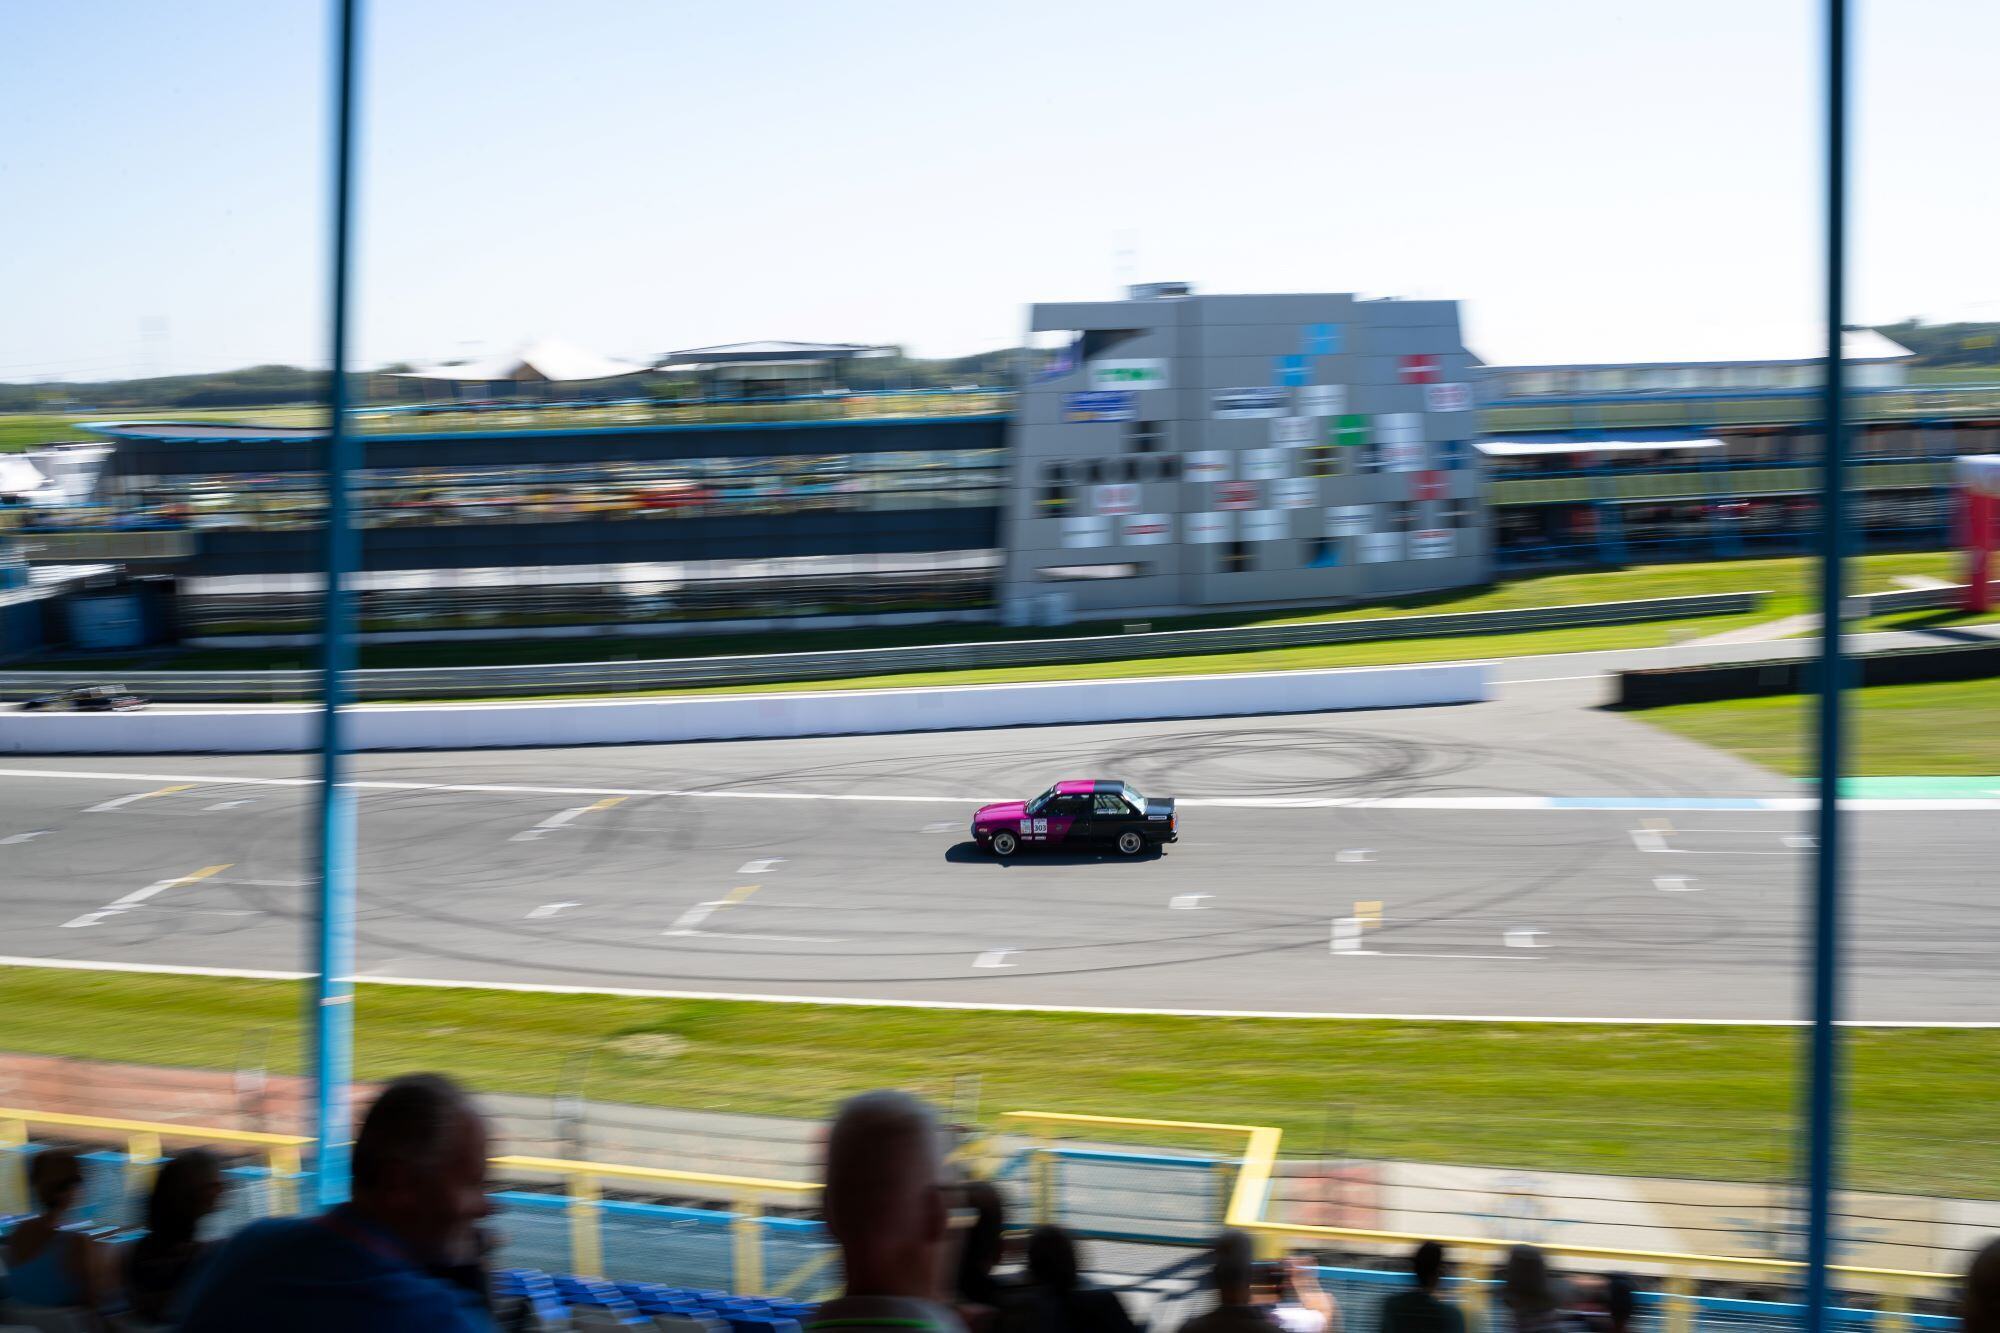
(1186, 453)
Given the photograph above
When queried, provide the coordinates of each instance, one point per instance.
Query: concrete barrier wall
(739, 716)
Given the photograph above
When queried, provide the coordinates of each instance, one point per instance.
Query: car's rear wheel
(1005, 843)
(1130, 843)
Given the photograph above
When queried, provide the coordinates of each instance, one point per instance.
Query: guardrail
(494, 682)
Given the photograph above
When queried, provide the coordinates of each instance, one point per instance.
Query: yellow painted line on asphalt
(119, 802)
(137, 896)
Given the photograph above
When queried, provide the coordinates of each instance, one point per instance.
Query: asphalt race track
(840, 867)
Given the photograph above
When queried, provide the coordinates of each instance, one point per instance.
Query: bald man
(886, 1207)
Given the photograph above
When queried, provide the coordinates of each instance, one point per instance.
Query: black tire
(1005, 843)
(1130, 843)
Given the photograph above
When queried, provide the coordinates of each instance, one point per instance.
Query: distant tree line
(1962, 344)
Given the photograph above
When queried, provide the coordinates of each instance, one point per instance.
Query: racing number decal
(1034, 828)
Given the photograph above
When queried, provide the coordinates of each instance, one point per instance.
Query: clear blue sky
(1591, 178)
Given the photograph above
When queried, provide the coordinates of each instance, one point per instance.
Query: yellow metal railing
(747, 1197)
(143, 1139)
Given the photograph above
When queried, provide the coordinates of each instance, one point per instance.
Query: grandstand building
(1176, 452)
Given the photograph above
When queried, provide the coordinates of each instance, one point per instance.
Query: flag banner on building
(1118, 406)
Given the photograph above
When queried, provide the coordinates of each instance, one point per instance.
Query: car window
(1108, 803)
(1040, 804)
(1073, 805)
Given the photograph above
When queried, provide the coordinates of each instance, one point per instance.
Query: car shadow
(969, 851)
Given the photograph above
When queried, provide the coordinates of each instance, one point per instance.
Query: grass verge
(1666, 1100)
(1945, 729)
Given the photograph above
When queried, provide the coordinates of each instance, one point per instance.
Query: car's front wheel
(1130, 843)
(1005, 843)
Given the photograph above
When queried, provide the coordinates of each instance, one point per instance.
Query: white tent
(544, 361)
(19, 477)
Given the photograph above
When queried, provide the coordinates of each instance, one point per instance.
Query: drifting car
(1078, 814)
(86, 699)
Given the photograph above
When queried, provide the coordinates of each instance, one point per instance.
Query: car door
(1109, 817)
(1069, 821)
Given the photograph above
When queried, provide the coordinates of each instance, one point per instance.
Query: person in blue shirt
(47, 1265)
(405, 1254)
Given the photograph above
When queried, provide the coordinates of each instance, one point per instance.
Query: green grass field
(26, 430)
(1948, 729)
(1670, 1101)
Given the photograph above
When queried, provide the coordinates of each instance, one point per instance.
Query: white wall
(734, 716)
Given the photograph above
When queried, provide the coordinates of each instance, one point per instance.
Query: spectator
(1234, 1273)
(48, 1266)
(1621, 1301)
(980, 1292)
(1295, 1300)
(1529, 1293)
(1421, 1310)
(186, 1190)
(885, 1208)
(1979, 1308)
(403, 1256)
(1058, 1302)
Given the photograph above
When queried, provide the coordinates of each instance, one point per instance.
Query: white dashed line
(547, 910)
(759, 867)
(1649, 840)
(120, 802)
(1188, 902)
(1524, 939)
(994, 958)
(1674, 883)
(13, 838)
(1355, 856)
(224, 805)
(1346, 937)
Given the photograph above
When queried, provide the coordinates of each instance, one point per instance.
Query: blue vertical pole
(332, 1016)
(1824, 1072)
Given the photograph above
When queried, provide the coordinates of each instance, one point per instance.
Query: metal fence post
(747, 1247)
(331, 1016)
(1680, 1303)
(283, 1179)
(142, 1159)
(586, 1241)
(1823, 1093)
(1041, 1178)
(13, 1166)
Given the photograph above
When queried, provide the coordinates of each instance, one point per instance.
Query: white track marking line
(1803, 841)
(754, 935)
(1187, 902)
(1346, 936)
(1539, 804)
(224, 805)
(1524, 939)
(137, 896)
(1354, 856)
(1477, 957)
(556, 821)
(547, 910)
(1716, 851)
(13, 838)
(1649, 840)
(700, 912)
(994, 958)
(762, 867)
(120, 802)
(375, 976)
(1674, 883)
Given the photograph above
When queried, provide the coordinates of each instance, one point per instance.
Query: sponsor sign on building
(1379, 548)
(1263, 464)
(1115, 498)
(1119, 406)
(1430, 543)
(1208, 529)
(1348, 520)
(1323, 400)
(1295, 493)
(1291, 430)
(1419, 369)
(1427, 486)
(1149, 373)
(1265, 525)
(1255, 401)
(1090, 530)
(1236, 495)
(1147, 529)
(1448, 397)
(1207, 465)
(1403, 455)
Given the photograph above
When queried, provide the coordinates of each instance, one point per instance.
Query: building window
(1406, 516)
(1095, 471)
(1145, 437)
(1236, 558)
(1167, 467)
(1323, 460)
(1323, 553)
(1457, 514)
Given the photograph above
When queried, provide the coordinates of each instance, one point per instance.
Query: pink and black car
(1078, 814)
